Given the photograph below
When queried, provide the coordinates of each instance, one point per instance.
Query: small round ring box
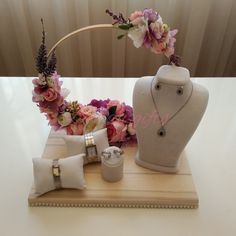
(112, 164)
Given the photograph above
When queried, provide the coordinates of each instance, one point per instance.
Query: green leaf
(120, 36)
(112, 110)
(125, 26)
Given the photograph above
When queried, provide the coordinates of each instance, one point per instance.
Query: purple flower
(150, 36)
(128, 116)
(99, 103)
(151, 15)
(147, 42)
(62, 108)
(104, 111)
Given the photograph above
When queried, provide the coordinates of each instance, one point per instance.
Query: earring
(180, 90)
(157, 86)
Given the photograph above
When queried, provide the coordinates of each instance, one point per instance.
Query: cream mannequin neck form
(180, 115)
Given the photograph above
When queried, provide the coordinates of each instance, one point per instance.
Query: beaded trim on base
(112, 205)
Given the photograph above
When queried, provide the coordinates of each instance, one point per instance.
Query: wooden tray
(140, 187)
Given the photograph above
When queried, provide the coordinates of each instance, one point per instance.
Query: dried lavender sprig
(41, 60)
(45, 67)
(43, 32)
(109, 12)
(117, 19)
(51, 64)
(122, 18)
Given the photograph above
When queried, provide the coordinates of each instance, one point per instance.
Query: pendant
(161, 132)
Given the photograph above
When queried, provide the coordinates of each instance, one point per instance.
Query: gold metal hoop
(87, 28)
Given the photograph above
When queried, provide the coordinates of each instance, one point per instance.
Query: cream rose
(64, 119)
(95, 123)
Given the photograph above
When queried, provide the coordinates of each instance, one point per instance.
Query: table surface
(211, 153)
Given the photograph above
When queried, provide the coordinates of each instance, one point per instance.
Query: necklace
(162, 131)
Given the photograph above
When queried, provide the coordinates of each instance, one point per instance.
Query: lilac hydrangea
(150, 15)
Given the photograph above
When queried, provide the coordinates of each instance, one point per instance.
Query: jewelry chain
(158, 114)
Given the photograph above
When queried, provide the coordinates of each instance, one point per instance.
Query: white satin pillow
(76, 144)
(71, 174)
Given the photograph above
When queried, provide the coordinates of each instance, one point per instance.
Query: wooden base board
(139, 188)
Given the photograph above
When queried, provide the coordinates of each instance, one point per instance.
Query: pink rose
(111, 131)
(137, 18)
(116, 131)
(138, 22)
(120, 107)
(135, 15)
(87, 111)
(50, 95)
(158, 48)
(76, 128)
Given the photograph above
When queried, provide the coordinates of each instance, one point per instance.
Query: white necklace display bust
(172, 104)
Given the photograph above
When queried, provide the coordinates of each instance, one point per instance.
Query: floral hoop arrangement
(145, 28)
